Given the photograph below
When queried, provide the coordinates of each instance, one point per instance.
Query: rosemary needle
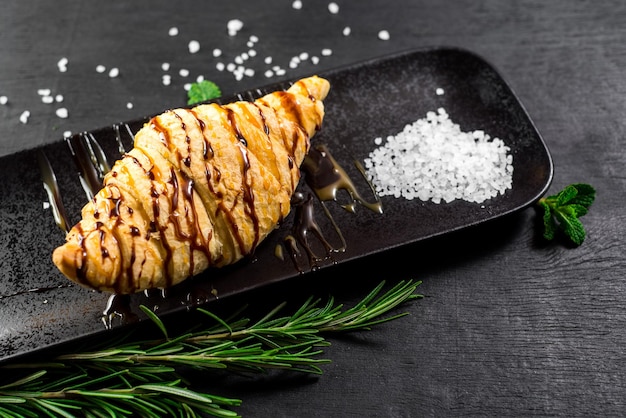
(141, 378)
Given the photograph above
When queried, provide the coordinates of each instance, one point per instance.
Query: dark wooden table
(510, 325)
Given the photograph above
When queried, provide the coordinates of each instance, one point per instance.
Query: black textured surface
(510, 325)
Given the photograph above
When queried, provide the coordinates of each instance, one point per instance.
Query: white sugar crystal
(327, 52)
(67, 134)
(220, 66)
(24, 117)
(114, 72)
(268, 73)
(100, 68)
(303, 56)
(166, 79)
(187, 86)
(315, 60)
(234, 26)
(439, 91)
(346, 31)
(173, 31)
(252, 53)
(297, 4)
(183, 72)
(280, 72)
(47, 99)
(4, 100)
(44, 92)
(200, 79)
(165, 66)
(268, 60)
(432, 159)
(254, 38)
(62, 64)
(333, 8)
(194, 46)
(383, 35)
(217, 52)
(249, 72)
(129, 105)
(62, 113)
(58, 98)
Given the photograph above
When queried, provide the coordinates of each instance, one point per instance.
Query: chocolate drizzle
(51, 187)
(326, 178)
(90, 160)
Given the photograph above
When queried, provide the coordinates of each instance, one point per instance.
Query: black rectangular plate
(39, 309)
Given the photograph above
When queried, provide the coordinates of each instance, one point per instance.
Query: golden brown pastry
(202, 187)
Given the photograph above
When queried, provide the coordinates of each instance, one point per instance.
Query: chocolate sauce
(118, 306)
(118, 136)
(89, 170)
(326, 177)
(51, 187)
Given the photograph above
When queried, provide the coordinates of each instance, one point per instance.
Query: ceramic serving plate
(39, 308)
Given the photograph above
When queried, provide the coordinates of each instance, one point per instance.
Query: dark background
(510, 325)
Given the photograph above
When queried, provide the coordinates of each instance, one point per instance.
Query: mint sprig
(203, 91)
(563, 210)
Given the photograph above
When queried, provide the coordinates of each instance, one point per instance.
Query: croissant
(201, 188)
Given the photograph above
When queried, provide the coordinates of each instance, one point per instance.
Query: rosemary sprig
(143, 378)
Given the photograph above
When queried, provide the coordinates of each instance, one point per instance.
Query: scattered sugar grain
(234, 26)
(238, 60)
(187, 86)
(254, 38)
(173, 31)
(268, 73)
(333, 8)
(231, 66)
(44, 92)
(383, 35)
(346, 31)
(297, 4)
(47, 99)
(200, 79)
(24, 117)
(248, 72)
(165, 66)
(114, 72)
(217, 52)
(326, 52)
(166, 79)
(220, 66)
(315, 60)
(252, 53)
(183, 72)
(129, 105)
(67, 134)
(62, 113)
(58, 98)
(4, 100)
(439, 91)
(431, 159)
(280, 72)
(268, 60)
(62, 64)
(303, 56)
(100, 68)
(194, 46)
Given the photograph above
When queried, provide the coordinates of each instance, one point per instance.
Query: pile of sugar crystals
(433, 160)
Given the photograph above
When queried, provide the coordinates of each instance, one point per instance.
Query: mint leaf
(563, 210)
(203, 91)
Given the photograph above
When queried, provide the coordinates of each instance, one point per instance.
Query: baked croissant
(202, 187)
